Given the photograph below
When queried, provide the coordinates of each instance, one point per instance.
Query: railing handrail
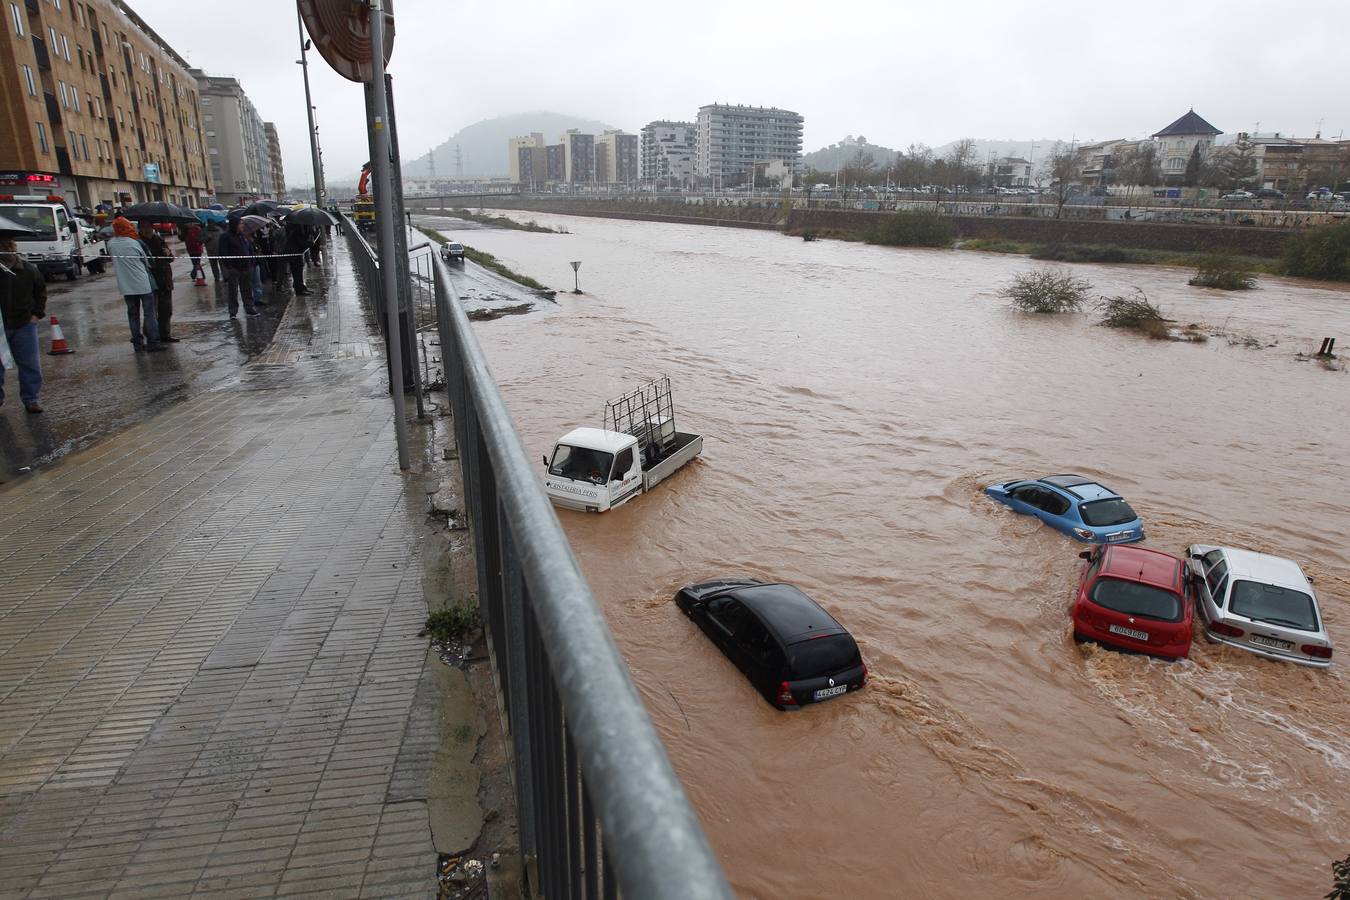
(652, 837)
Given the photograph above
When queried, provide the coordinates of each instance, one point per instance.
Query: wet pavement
(211, 680)
(105, 386)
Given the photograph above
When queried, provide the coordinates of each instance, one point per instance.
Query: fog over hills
(482, 145)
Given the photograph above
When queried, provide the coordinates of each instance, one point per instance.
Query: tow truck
(57, 246)
(598, 469)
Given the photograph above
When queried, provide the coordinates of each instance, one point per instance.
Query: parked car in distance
(1081, 508)
(1259, 603)
(452, 252)
(1238, 195)
(792, 651)
(1135, 599)
(1324, 194)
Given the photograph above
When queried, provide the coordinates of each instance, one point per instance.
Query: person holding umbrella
(136, 283)
(23, 303)
(192, 242)
(237, 253)
(297, 245)
(161, 267)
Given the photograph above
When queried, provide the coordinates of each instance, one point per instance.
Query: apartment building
(578, 157)
(274, 160)
(731, 139)
(1298, 164)
(1178, 142)
(236, 141)
(514, 146)
(96, 107)
(616, 158)
(555, 163)
(667, 150)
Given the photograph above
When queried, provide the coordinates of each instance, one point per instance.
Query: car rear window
(1135, 599)
(1100, 513)
(817, 657)
(1277, 605)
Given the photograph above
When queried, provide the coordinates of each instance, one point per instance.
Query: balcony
(40, 51)
(53, 108)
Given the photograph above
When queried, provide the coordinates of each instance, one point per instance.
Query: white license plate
(1120, 536)
(1128, 632)
(1272, 642)
(835, 691)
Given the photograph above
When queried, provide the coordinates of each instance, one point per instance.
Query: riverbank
(490, 262)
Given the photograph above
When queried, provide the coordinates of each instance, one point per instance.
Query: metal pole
(384, 217)
(309, 111)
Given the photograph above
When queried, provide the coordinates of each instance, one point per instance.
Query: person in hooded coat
(136, 283)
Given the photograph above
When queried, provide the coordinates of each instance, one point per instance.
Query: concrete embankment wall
(1243, 240)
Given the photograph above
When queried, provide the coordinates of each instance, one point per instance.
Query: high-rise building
(616, 158)
(274, 160)
(579, 157)
(732, 139)
(555, 163)
(668, 150)
(241, 168)
(513, 147)
(96, 107)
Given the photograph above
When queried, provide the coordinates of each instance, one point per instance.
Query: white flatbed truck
(597, 469)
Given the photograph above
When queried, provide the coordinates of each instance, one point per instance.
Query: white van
(57, 247)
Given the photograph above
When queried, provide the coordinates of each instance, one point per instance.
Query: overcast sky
(896, 72)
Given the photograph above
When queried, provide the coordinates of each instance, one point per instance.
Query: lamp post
(303, 63)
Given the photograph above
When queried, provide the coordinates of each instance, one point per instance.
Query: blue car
(1080, 507)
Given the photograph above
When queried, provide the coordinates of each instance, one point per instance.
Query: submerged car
(1259, 603)
(1081, 508)
(792, 651)
(1135, 599)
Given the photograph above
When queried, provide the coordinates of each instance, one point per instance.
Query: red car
(1135, 599)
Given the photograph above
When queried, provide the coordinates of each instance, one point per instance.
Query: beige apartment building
(616, 158)
(96, 107)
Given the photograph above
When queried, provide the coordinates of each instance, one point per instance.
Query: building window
(65, 47)
(18, 19)
(56, 42)
(65, 98)
(84, 145)
(28, 78)
(75, 96)
(42, 136)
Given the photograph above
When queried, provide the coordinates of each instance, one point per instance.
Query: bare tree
(1062, 167)
(913, 165)
(858, 169)
(961, 162)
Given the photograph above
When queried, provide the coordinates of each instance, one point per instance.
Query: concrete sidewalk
(209, 661)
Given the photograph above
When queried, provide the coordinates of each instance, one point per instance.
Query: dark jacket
(162, 266)
(23, 294)
(238, 246)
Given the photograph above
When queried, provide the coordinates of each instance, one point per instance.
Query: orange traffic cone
(59, 345)
(200, 282)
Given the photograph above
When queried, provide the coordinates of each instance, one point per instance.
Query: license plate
(1272, 642)
(1120, 536)
(835, 691)
(1128, 632)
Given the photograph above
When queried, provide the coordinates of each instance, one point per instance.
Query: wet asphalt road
(105, 386)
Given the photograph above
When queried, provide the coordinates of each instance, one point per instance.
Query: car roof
(1262, 567)
(1084, 488)
(1144, 565)
(597, 439)
(787, 612)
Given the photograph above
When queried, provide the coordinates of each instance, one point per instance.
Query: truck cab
(57, 246)
(598, 469)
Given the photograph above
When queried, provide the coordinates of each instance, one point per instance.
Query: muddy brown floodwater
(854, 401)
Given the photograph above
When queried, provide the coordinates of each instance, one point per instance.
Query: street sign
(576, 265)
(152, 172)
(340, 30)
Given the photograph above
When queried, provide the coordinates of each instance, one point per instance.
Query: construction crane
(363, 210)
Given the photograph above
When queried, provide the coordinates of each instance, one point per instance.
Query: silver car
(1259, 603)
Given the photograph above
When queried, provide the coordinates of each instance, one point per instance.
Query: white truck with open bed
(596, 469)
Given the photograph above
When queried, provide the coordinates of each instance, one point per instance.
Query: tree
(961, 163)
(1193, 168)
(1235, 166)
(858, 169)
(913, 165)
(1062, 168)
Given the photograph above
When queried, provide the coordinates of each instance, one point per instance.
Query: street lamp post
(303, 63)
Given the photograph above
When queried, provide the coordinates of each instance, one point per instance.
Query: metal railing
(601, 811)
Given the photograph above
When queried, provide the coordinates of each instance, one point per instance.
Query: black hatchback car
(792, 651)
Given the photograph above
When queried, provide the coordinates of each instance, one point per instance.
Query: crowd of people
(142, 260)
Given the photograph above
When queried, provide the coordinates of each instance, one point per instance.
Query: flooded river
(854, 401)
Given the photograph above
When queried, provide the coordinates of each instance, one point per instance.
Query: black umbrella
(261, 208)
(159, 211)
(310, 215)
(11, 229)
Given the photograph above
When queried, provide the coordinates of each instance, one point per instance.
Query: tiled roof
(1188, 124)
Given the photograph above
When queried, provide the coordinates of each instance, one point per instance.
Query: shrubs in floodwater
(1080, 253)
(453, 621)
(1134, 312)
(1321, 252)
(1047, 291)
(1219, 270)
(1340, 874)
(914, 228)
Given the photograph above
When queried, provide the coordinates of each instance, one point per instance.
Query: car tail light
(1226, 630)
(785, 695)
(1317, 650)
(864, 678)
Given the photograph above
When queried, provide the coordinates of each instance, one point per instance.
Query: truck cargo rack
(648, 414)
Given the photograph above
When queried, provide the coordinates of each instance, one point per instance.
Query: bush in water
(914, 228)
(1219, 270)
(1321, 252)
(1340, 871)
(1134, 312)
(1047, 291)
